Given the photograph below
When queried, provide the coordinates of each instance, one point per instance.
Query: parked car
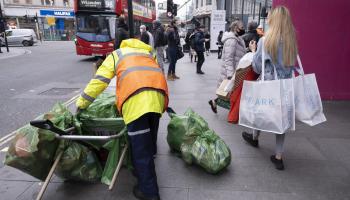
(25, 37)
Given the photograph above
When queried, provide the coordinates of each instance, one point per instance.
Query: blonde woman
(280, 48)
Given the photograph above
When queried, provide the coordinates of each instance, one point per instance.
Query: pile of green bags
(190, 135)
(34, 150)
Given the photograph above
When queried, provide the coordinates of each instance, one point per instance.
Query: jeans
(160, 57)
(200, 61)
(142, 135)
(279, 141)
(172, 53)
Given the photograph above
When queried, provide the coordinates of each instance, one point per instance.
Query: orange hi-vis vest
(135, 73)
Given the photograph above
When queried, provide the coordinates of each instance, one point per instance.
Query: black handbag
(179, 53)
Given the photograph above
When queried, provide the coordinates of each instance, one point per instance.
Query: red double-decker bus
(96, 21)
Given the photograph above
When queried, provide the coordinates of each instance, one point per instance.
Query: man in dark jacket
(159, 42)
(121, 32)
(251, 34)
(173, 43)
(199, 48)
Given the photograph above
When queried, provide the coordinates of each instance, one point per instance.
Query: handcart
(69, 134)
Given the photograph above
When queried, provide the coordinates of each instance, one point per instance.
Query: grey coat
(233, 50)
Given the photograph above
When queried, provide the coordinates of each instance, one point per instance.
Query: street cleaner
(142, 96)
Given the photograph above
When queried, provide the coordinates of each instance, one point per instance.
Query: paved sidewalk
(317, 159)
(13, 52)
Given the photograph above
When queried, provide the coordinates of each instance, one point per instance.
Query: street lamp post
(130, 19)
(2, 20)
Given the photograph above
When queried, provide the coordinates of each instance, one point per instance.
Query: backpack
(193, 40)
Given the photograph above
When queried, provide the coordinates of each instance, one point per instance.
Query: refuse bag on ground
(190, 135)
(179, 125)
(33, 150)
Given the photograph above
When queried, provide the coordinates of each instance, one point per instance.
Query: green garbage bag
(206, 150)
(115, 148)
(103, 107)
(179, 125)
(101, 118)
(33, 150)
(190, 135)
(78, 163)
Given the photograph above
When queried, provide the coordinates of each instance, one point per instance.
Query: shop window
(201, 3)
(66, 3)
(196, 3)
(49, 2)
(208, 2)
(29, 2)
(16, 1)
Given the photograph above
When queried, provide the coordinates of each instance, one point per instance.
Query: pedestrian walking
(173, 39)
(199, 47)
(159, 42)
(252, 34)
(121, 32)
(151, 38)
(280, 47)
(142, 98)
(233, 50)
(207, 43)
(220, 44)
(144, 35)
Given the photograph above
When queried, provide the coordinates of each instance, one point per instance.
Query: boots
(175, 77)
(170, 77)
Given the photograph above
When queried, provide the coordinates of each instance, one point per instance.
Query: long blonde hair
(281, 29)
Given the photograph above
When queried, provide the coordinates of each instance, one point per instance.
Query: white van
(25, 37)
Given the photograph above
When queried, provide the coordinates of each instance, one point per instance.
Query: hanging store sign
(56, 13)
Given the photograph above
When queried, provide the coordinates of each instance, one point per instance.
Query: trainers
(278, 163)
(170, 77)
(140, 195)
(175, 77)
(200, 72)
(249, 138)
(213, 106)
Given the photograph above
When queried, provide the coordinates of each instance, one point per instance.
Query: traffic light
(170, 8)
(175, 10)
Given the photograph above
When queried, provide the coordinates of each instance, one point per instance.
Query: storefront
(57, 24)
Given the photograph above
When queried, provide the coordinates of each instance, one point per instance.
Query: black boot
(278, 163)
(249, 138)
(140, 195)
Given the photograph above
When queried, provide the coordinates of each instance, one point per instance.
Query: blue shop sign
(56, 13)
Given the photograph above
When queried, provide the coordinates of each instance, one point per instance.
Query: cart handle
(48, 125)
(89, 137)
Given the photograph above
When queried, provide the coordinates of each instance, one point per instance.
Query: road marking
(5, 149)
(10, 136)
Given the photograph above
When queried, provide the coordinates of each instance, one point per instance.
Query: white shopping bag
(308, 104)
(268, 105)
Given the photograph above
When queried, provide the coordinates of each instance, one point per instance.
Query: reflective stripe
(103, 79)
(87, 97)
(143, 68)
(139, 132)
(121, 56)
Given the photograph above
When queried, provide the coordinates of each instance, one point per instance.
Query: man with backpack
(159, 42)
(199, 47)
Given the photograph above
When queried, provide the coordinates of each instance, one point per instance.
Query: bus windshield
(95, 28)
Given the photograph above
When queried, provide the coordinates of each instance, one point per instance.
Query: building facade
(246, 10)
(51, 19)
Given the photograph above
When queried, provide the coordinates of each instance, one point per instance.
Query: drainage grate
(59, 91)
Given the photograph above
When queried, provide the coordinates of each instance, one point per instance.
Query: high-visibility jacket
(135, 69)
